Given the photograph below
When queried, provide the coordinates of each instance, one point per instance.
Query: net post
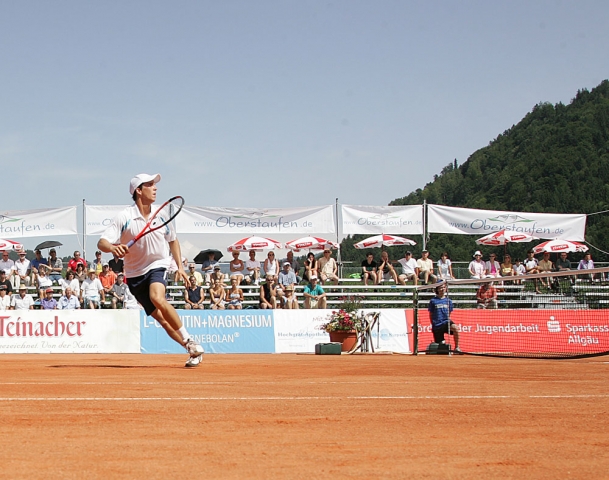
(415, 323)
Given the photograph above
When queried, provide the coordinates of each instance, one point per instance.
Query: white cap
(477, 252)
(313, 277)
(143, 178)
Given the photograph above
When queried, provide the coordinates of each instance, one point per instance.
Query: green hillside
(556, 159)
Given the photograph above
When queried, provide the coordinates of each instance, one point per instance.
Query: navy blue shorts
(140, 287)
(438, 335)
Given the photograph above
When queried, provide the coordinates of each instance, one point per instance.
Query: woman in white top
(271, 265)
(445, 267)
(70, 282)
(493, 269)
(236, 268)
(42, 281)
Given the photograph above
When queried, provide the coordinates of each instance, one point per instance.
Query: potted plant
(344, 324)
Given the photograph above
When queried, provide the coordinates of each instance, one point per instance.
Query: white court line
(324, 398)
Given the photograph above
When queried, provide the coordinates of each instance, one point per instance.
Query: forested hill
(556, 159)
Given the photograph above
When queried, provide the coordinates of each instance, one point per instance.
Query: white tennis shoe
(195, 351)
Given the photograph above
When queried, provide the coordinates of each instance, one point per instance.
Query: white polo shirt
(149, 252)
(8, 266)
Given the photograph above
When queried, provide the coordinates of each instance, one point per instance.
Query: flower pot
(348, 339)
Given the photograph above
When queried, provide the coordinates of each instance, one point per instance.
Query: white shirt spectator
(5, 302)
(19, 303)
(408, 267)
(91, 288)
(477, 269)
(8, 266)
(22, 266)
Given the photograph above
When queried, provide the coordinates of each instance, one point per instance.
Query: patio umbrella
(203, 255)
(254, 243)
(312, 243)
(48, 244)
(559, 246)
(10, 245)
(383, 240)
(502, 237)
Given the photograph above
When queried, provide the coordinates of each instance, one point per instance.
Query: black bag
(438, 349)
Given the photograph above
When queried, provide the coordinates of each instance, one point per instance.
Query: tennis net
(549, 315)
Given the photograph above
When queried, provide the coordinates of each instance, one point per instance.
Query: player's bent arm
(176, 252)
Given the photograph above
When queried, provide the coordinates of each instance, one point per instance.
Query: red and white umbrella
(503, 237)
(254, 243)
(312, 243)
(559, 246)
(383, 240)
(10, 245)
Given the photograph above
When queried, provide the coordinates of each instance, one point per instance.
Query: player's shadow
(109, 366)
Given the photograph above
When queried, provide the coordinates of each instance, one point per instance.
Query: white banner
(98, 217)
(389, 219)
(44, 222)
(441, 219)
(70, 331)
(297, 331)
(249, 221)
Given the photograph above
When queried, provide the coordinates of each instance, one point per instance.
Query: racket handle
(130, 243)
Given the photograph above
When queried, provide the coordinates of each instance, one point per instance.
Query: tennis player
(440, 308)
(147, 260)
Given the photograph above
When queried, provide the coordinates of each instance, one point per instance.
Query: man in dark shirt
(6, 283)
(563, 263)
(116, 265)
(369, 269)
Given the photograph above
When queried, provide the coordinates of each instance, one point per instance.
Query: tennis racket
(161, 217)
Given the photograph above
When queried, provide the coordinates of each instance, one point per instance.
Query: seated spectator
(48, 302)
(268, 293)
(252, 266)
(172, 271)
(207, 267)
(271, 265)
(487, 296)
(410, 271)
(314, 295)
(445, 267)
(217, 295)
(492, 267)
(107, 279)
(194, 296)
(35, 265)
(369, 267)
(22, 301)
(22, 271)
(8, 266)
(56, 267)
(217, 275)
(68, 301)
(70, 282)
(191, 272)
(236, 267)
(97, 264)
(4, 282)
(235, 295)
(92, 291)
(310, 266)
(290, 302)
(477, 267)
(519, 270)
(328, 268)
(287, 278)
(563, 263)
(81, 273)
(507, 269)
(545, 265)
(425, 266)
(42, 281)
(5, 300)
(117, 265)
(294, 264)
(585, 263)
(531, 267)
(385, 270)
(119, 291)
(75, 261)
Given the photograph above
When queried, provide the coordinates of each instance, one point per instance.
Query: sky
(264, 103)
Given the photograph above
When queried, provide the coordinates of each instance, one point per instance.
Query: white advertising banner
(98, 217)
(297, 331)
(379, 219)
(70, 331)
(38, 223)
(468, 221)
(248, 221)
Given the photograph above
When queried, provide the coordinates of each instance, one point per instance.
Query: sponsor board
(59, 331)
(526, 331)
(297, 331)
(219, 331)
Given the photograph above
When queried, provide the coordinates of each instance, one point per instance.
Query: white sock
(184, 334)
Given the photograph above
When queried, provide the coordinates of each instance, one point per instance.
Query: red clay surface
(302, 416)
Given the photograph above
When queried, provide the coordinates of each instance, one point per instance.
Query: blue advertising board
(219, 331)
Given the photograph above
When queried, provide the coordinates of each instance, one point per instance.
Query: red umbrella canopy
(312, 243)
(254, 243)
(559, 246)
(505, 236)
(383, 240)
(10, 245)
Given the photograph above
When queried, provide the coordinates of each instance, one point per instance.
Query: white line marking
(372, 397)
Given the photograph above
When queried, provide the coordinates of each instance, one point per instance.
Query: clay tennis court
(303, 416)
